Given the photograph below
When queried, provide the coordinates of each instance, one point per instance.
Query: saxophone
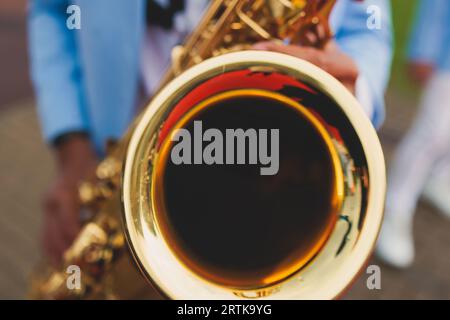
(303, 233)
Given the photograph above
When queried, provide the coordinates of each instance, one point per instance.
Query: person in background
(87, 81)
(423, 157)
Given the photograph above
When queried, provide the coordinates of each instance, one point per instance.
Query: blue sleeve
(370, 48)
(55, 69)
(430, 30)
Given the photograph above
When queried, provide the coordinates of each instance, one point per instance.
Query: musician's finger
(311, 37)
(310, 54)
(321, 33)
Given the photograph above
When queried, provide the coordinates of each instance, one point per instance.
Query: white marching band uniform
(422, 161)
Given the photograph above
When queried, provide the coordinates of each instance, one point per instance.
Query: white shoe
(395, 244)
(437, 192)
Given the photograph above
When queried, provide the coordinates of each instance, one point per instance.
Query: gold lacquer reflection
(306, 229)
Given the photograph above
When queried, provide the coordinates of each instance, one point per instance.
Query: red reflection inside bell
(242, 79)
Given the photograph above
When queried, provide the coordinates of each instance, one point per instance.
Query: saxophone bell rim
(151, 252)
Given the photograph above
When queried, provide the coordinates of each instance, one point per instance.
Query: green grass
(403, 18)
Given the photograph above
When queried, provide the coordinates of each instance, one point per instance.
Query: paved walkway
(14, 75)
(25, 169)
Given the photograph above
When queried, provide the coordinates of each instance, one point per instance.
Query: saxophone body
(141, 203)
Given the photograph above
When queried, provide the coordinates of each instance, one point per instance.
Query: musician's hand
(330, 59)
(76, 162)
(420, 72)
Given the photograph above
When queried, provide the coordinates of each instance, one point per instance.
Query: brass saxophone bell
(218, 233)
(227, 232)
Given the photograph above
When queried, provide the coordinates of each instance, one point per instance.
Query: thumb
(263, 45)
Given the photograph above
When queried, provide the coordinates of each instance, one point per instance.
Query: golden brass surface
(281, 272)
(127, 200)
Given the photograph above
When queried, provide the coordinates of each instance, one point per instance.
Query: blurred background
(26, 169)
